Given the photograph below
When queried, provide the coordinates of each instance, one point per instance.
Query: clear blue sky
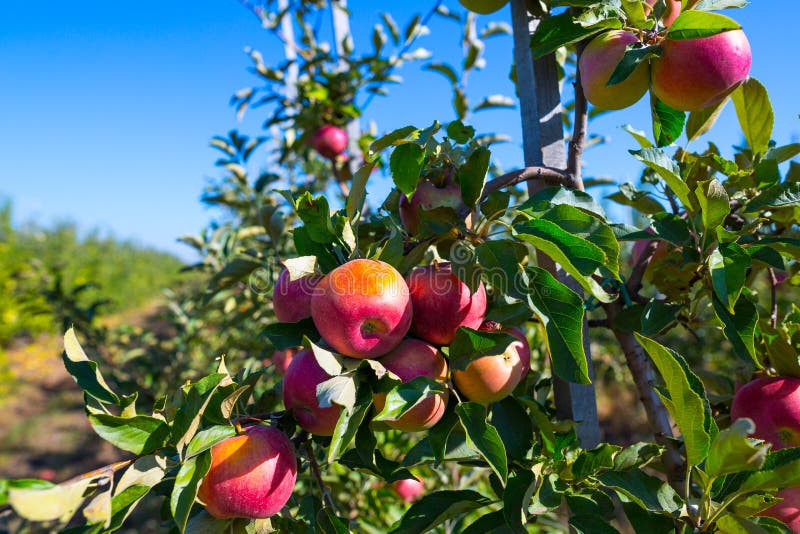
(106, 108)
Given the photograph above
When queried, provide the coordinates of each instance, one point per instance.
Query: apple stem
(312, 462)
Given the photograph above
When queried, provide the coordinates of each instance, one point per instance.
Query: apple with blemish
(442, 303)
(694, 74)
(597, 64)
(410, 359)
(489, 379)
(291, 299)
(362, 309)
(300, 395)
(251, 475)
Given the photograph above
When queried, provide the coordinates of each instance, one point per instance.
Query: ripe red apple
(445, 193)
(281, 359)
(410, 359)
(773, 403)
(362, 308)
(300, 395)
(483, 7)
(597, 63)
(671, 13)
(409, 489)
(330, 141)
(252, 475)
(788, 510)
(442, 303)
(492, 378)
(291, 299)
(694, 74)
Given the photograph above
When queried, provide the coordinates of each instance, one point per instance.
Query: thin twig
(640, 267)
(773, 282)
(312, 461)
(579, 127)
(552, 174)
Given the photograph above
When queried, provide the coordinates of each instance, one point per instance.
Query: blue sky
(106, 108)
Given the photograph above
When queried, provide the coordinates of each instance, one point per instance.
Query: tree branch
(551, 174)
(312, 461)
(579, 127)
(640, 267)
(773, 282)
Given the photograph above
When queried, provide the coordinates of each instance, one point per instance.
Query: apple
(410, 359)
(251, 475)
(483, 7)
(362, 308)
(409, 489)
(330, 141)
(773, 403)
(489, 379)
(669, 15)
(442, 303)
(788, 510)
(281, 359)
(597, 63)
(428, 196)
(694, 74)
(300, 395)
(291, 299)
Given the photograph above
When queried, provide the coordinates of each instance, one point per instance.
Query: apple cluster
(687, 75)
(362, 309)
(773, 404)
(366, 309)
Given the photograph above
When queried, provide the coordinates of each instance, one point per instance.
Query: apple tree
(434, 353)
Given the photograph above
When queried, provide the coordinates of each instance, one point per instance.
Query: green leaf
(448, 72)
(714, 203)
(739, 327)
(577, 256)
(472, 175)
(316, 216)
(406, 166)
(635, 55)
(636, 455)
(648, 492)
(716, 5)
(545, 198)
(469, 345)
(459, 132)
(205, 439)
(204, 523)
(196, 398)
(401, 135)
(500, 261)
(84, 370)
(187, 483)
(339, 390)
(594, 460)
(288, 335)
(732, 450)
(436, 508)
(693, 24)
(349, 423)
(586, 524)
(358, 192)
(755, 114)
(514, 426)
(140, 435)
(556, 31)
(658, 160)
(42, 501)
(560, 310)
(728, 266)
(702, 121)
(516, 498)
(406, 395)
(688, 404)
(642, 201)
(783, 153)
(483, 437)
(667, 122)
(783, 195)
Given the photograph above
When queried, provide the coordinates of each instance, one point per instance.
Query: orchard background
(614, 347)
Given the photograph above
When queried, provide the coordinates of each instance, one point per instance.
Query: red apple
(362, 308)
(252, 475)
(410, 359)
(442, 303)
(669, 15)
(788, 510)
(291, 299)
(597, 63)
(300, 395)
(694, 74)
(409, 489)
(483, 7)
(330, 141)
(773, 403)
(282, 358)
(428, 196)
(489, 379)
